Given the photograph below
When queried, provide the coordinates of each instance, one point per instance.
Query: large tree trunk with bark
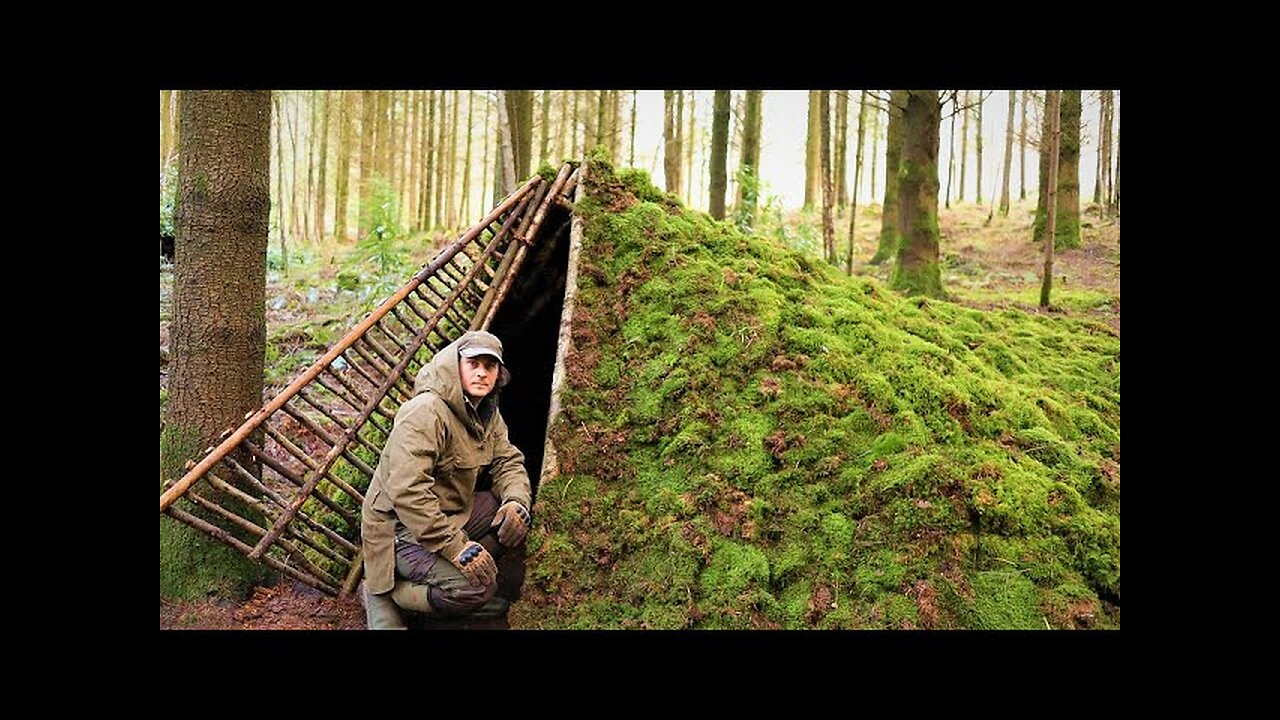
(520, 116)
(1067, 216)
(671, 143)
(889, 232)
(341, 196)
(1051, 147)
(842, 148)
(813, 153)
(749, 159)
(719, 151)
(916, 271)
(219, 325)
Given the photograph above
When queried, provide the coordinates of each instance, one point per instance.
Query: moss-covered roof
(750, 439)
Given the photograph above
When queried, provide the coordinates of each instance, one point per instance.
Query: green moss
(192, 564)
(734, 568)
(1006, 600)
(879, 573)
(787, 429)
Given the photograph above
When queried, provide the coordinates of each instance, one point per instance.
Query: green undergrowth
(750, 439)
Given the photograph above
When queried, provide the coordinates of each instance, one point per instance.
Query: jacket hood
(440, 377)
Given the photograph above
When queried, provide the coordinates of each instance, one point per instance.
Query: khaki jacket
(424, 486)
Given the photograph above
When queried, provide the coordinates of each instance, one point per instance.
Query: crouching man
(429, 538)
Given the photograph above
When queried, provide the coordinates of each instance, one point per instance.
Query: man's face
(478, 374)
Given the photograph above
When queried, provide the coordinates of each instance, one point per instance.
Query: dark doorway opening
(528, 323)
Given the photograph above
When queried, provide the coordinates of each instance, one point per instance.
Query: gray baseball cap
(479, 342)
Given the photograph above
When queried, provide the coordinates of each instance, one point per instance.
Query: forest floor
(984, 265)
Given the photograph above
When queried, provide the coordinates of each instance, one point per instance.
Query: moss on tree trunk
(916, 271)
(892, 156)
(219, 325)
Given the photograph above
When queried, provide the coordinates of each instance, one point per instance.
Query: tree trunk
(297, 222)
(546, 126)
(876, 133)
(615, 126)
(312, 126)
(1106, 180)
(601, 129)
(1115, 202)
(749, 159)
(977, 141)
(429, 172)
(1051, 148)
(828, 192)
(671, 150)
(563, 150)
(875, 147)
(344, 167)
(280, 203)
(381, 142)
(520, 114)
(166, 137)
(507, 161)
(842, 148)
(1022, 149)
(394, 141)
(1099, 176)
(917, 272)
(951, 157)
(633, 128)
(737, 132)
(964, 144)
(719, 151)
(219, 326)
(577, 119)
(1067, 220)
(442, 160)
(1042, 195)
(367, 167)
(324, 161)
(813, 153)
(1008, 153)
(502, 158)
(484, 163)
(466, 165)
(690, 142)
(857, 179)
(679, 141)
(451, 190)
(889, 231)
(411, 213)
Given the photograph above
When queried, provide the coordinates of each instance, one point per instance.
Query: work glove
(477, 564)
(512, 521)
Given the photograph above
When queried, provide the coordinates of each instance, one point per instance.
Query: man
(428, 536)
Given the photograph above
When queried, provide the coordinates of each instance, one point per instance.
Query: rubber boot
(380, 611)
